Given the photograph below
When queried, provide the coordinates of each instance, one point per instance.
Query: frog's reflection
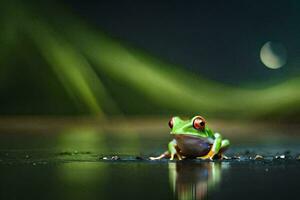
(194, 180)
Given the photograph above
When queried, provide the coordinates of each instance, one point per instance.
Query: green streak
(75, 73)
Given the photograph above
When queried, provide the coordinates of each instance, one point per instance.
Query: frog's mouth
(192, 139)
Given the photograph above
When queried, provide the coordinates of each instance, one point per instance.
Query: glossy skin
(193, 139)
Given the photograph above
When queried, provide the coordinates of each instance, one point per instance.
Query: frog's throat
(191, 135)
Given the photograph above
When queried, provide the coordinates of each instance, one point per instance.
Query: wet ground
(82, 160)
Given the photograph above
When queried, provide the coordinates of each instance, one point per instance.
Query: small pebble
(266, 169)
(115, 158)
(258, 157)
(298, 158)
(280, 157)
(226, 158)
(75, 152)
(27, 156)
(104, 158)
(235, 157)
(34, 164)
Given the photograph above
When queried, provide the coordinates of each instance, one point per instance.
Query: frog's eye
(171, 122)
(199, 123)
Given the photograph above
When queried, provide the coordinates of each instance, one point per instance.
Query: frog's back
(191, 146)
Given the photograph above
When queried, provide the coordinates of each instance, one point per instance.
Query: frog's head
(193, 127)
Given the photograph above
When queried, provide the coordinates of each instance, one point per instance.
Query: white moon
(273, 55)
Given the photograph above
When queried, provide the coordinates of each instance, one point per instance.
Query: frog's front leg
(224, 146)
(166, 154)
(215, 148)
(172, 151)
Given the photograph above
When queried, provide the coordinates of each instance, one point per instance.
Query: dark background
(220, 40)
(175, 58)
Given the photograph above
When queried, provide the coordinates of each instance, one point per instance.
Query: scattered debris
(110, 158)
(115, 158)
(280, 157)
(258, 157)
(225, 158)
(235, 157)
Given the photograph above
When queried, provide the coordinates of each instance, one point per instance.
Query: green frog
(193, 139)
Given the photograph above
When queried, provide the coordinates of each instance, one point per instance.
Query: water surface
(92, 163)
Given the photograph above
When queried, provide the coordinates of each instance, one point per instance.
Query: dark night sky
(219, 40)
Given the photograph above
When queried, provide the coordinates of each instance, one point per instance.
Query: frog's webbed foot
(224, 146)
(164, 155)
(178, 156)
(209, 156)
(216, 156)
(214, 150)
(217, 149)
(158, 157)
(171, 153)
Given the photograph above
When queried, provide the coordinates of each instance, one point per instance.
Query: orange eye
(199, 123)
(171, 123)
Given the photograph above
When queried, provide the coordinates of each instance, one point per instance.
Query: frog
(192, 138)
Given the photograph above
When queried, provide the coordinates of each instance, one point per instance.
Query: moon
(273, 55)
